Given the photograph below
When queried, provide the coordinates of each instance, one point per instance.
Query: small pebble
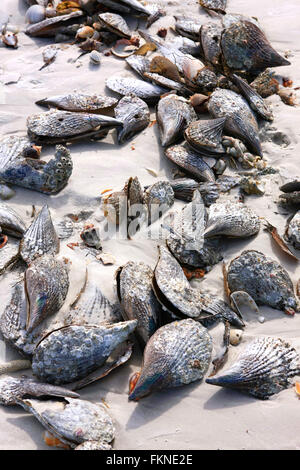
(261, 319)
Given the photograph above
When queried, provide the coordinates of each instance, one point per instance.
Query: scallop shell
(76, 102)
(128, 85)
(40, 238)
(264, 368)
(190, 162)
(240, 119)
(136, 296)
(116, 24)
(177, 354)
(254, 99)
(216, 5)
(35, 14)
(47, 284)
(10, 222)
(232, 219)
(205, 136)
(264, 279)
(173, 115)
(245, 47)
(135, 115)
(72, 352)
(158, 198)
(293, 231)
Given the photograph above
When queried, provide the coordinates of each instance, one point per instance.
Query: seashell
(50, 26)
(190, 162)
(240, 119)
(47, 284)
(199, 102)
(93, 445)
(63, 126)
(14, 388)
(235, 337)
(135, 115)
(173, 290)
(10, 39)
(9, 252)
(184, 188)
(167, 83)
(255, 101)
(72, 421)
(279, 240)
(128, 85)
(116, 24)
(264, 368)
(205, 136)
(173, 115)
(40, 238)
(77, 102)
(188, 27)
(106, 258)
(177, 354)
(292, 231)
(158, 198)
(252, 186)
(291, 186)
(49, 54)
(198, 75)
(139, 64)
(210, 38)
(91, 238)
(66, 7)
(72, 352)
(245, 47)
(123, 48)
(243, 302)
(85, 32)
(264, 280)
(10, 222)
(265, 84)
(134, 283)
(163, 66)
(35, 14)
(231, 219)
(95, 58)
(216, 5)
(290, 198)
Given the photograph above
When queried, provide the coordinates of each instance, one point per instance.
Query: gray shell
(71, 353)
(76, 102)
(137, 298)
(173, 114)
(215, 5)
(73, 421)
(264, 368)
(48, 178)
(177, 354)
(240, 119)
(205, 136)
(47, 284)
(167, 83)
(116, 24)
(291, 198)
(128, 85)
(40, 238)
(232, 219)
(210, 37)
(14, 388)
(135, 115)
(139, 64)
(293, 231)
(255, 101)
(184, 188)
(10, 222)
(50, 26)
(188, 27)
(158, 198)
(62, 126)
(190, 162)
(264, 279)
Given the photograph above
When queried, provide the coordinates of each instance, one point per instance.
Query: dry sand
(198, 416)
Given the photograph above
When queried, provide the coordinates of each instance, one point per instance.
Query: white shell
(95, 58)
(35, 14)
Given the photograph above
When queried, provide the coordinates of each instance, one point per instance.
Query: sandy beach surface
(197, 416)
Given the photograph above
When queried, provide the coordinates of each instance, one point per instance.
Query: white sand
(198, 416)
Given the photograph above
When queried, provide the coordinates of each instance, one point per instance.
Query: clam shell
(167, 83)
(216, 5)
(163, 66)
(291, 198)
(254, 99)
(76, 102)
(245, 47)
(188, 27)
(72, 421)
(158, 198)
(263, 279)
(232, 219)
(10, 222)
(135, 115)
(116, 24)
(240, 119)
(72, 352)
(47, 284)
(173, 114)
(137, 298)
(177, 354)
(139, 64)
(190, 162)
(205, 136)
(293, 231)
(40, 238)
(264, 368)
(128, 85)
(49, 26)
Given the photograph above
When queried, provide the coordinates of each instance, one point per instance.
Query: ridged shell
(72, 421)
(255, 101)
(13, 388)
(184, 188)
(137, 298)
(293, 231)
(158, 198)
(116, 24)
(210, 37)
(245, 47)
(206, 136)
(173, 114)
(177, 354)
(72, 352)
(135, 115)
(10, 222)
(190, 162)
(40, 238)
(264, 368)
(47, 284)
(49, 26)
(264, 279)
(215, 5)
(232, 219)
(141, 89)
(240, 119)
(90, 103)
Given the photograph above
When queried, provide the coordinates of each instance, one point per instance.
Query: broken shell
(292, 232)
(85, 32)
(216, 5)
(123, 48)
(91, 238)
